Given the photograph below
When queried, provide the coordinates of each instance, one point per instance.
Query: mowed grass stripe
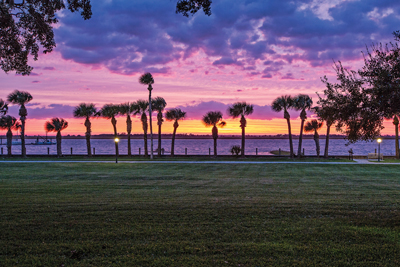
(90, 214)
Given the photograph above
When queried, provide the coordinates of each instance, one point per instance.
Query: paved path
(356, 162)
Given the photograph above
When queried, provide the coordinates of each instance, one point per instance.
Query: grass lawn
(89, 214)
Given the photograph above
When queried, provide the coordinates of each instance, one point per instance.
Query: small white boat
(44, 141)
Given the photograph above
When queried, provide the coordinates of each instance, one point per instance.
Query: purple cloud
(51, 111)
(128, 37)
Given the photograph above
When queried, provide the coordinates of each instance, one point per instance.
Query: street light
(379, 149)
(116, 140)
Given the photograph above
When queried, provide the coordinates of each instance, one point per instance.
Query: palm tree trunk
(23, 148)
(215, 147)
(9, 142)
(159, 136)
(243, 140)
(215, 137)
(151, 127)
(114, 124)
(87, 134)
(316, 139)
(328, 129)
(58, 138)
(173, 140)
(300, 139)
(290, 137)
(129, 130)
(146, 150)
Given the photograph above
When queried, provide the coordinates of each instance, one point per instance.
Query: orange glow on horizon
(254, 127)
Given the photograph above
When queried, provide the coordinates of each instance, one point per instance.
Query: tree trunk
(129, 130)
(151, 124)
(287, 117)
(9, 142)
(173, 138)
(215, 137)
(58, 138)
(114, 124)
(303, 116)
(23, 148)
(328, 129)
(159, 122)
(243, 126)
(316, 139)
(146, 150)
(396, 129)
(87, 134)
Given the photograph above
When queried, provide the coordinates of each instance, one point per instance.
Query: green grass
(88, 214)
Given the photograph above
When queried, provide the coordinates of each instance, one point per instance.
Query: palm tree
(56, 125)
(141, 109)
(313, 126)
(159, 104)
(241, 109)
(109, 111)
(175, 115)
(326, 113)
(303, 103)
(284, 103)
(127, 109)
(147, 79)
(214, 118)
(3, 107)
(85, 110)
(21, 98)
(9, 123)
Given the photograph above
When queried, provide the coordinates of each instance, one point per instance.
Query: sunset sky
(247, 50)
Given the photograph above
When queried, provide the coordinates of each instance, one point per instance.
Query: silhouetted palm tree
(87, 111)
(3, 107)
(141, 109)
(284, 103)
(109, 111)
(241, 109)
(159, 105)
(147, 79)
(327, 112)
(9, 123)
(127, 109)
(21, 98)
(175, 115)
(303, 103)
(214, 118)
(56, 125)
(314, 126)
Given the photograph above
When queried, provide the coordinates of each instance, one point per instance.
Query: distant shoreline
(182, 136)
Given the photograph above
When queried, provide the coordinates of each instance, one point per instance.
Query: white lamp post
(116, 140)
(379, 149)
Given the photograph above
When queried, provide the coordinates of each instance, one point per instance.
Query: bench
(375, 156)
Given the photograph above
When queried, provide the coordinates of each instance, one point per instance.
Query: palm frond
(175, 114)
(84, 110)
(282, 103)
(158, 104)
(147, 79)
(55, 125)
(19, 97)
